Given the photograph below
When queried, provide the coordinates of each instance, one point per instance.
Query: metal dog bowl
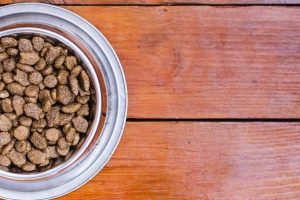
(109, 97)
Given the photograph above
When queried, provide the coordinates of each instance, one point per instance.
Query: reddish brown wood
(201, 161)
(206, 62)
(156, 2)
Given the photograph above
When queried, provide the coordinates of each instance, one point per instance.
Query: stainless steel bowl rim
(115, 83)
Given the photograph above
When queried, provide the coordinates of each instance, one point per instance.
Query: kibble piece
(12, 51)
(70, 135)
(45, 95)
(83, 110)
(4, 94)
(52, 134)
(64, 94)
(9, 64)
(20, 146)
(32, 110)
(17, 158)
(80, 124)
(21, 77)
(4, 138)
(63, 143)
(25, 121)
(38, 43)
(44, 51)
(63, 152)
(21, 132)
(2, 49)
(18, 104)
(71, 108)
(52, 54)
(62, 76)
(44, 163)
(38, 141)
(50, 81)
(25, 45)
(32, 91)
(30, 100)
(47, 71)
(6, 105)
(8, 42)
(50, 152)
(4, 161)
(41, 123)
(3, 56)
(29, 58)
(40, 65)
(53, 94)
(2, 85)
(46, 105)
(7, 77)
(59, 62)
(35, 77)
(16, 89)
(76, 71)
(65, 118)
(36, 156)
(28, 167)
(74, 85)
(11, 116)
(8, 147)
(70, 62)
(53, 117)
(85, 80)
(25, 68)
(5, 123)
(28, 147)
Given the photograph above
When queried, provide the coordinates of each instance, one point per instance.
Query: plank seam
(241, 120)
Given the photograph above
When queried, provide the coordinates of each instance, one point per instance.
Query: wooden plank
(156, 2)
(206, 62)
(220, 161)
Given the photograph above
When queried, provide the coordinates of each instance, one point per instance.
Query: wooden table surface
(214, 99)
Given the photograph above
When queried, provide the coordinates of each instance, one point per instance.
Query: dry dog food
(44, 103)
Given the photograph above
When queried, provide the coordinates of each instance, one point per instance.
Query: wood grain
(219, 161)
(156, 2)
(206, 62)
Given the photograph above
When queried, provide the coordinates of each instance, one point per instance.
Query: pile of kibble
(44, 103)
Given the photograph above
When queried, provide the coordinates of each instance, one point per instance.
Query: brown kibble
(8, 42)
(32, 91)
(47, 71)
(4, 94)
(44, 51)
(32, 110)
(12, 51)
(25, 45)
(4, 161)
(38, 43)
(36, 156)
(59, 62)
(7, 77)
(70, 62)
(46, 105)
(45, 95)
(20, 146)
(64, 95)
(41, 123)
(16, 89)
(62, 152)
(66, 127)
(3, 56)
(17, 158)
(35, 77)
(71, 108)
(30, 99)
(2, 85)
(6, 105)
(65, 118)
(9, 64)
(40, 65)
(50, 81)
(21, 132)
(63, 143)
(52, 54)
(25, 121)
(76, 71)
(8, 147)
(38, 141)
(83, 110)
(74, 85)
(5, 124)
(28, 167)
(80, 124)
(53, 94)
(21, 77)
(52, 134)
(85, 80)
(53, 116)
(25, 68)
(29, 58)
(70, 135)
(11, 116)
(18, 104)
(4, 138)
(44, 163)
(50, 152)
(62, 76)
